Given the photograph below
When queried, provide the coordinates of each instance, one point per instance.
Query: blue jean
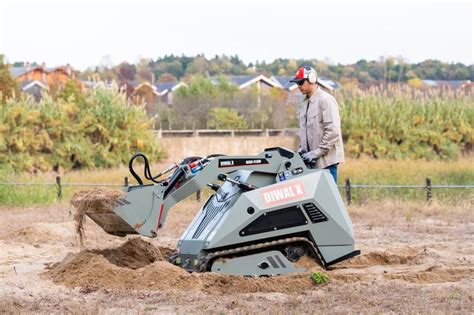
(333, 170)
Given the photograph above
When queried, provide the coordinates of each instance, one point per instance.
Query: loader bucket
(111, 223)
(98, 205)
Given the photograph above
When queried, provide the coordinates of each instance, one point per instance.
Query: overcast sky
(87, 33)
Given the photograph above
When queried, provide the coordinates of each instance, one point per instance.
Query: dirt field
(415, 258)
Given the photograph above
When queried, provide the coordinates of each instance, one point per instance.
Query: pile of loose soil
(309, 263)
(138, 264)
(135, 253)
(97, 201)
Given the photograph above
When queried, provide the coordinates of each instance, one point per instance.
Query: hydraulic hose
(146, 169)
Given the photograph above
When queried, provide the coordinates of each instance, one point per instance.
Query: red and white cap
(305, 73)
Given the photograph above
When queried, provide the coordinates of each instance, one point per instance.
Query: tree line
(363, 72)
(390, 69)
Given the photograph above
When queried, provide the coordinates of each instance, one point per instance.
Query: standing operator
(320, 124)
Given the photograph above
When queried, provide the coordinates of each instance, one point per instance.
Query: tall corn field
(400, 122)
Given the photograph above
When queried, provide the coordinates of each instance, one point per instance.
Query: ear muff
(312, 76)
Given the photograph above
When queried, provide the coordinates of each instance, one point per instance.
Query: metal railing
(348, 187)
(164, 133)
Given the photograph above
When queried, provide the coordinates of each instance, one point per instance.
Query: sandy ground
(415, 258)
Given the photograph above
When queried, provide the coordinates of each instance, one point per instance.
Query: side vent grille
(314, 213)
(211, 211)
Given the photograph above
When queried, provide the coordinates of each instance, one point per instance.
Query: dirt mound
(97, 200)
(309, 263)
(138, 264)
(395, 256)
(135, 253)
(135, 264)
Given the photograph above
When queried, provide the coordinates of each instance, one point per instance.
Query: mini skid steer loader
(265, 213)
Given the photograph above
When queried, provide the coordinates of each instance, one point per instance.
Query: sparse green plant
(319, 278)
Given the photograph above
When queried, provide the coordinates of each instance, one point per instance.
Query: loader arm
(144, 208)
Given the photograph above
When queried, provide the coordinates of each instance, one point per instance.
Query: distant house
(29, 73)
(328, 84)
(34, 79)
(294, 95)
(146, 92)
(59, 75)
(144, 86)
(247, 82)
(108, 85)
(283, 82)
(33, 87)
(165, 90)
(450, 84)
(47, 76)
(261, 82)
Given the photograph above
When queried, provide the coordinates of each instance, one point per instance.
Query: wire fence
(164, 133)
(348, 187)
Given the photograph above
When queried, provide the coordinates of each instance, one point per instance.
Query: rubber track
(238, 250)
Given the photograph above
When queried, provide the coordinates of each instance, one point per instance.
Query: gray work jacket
(320, 128)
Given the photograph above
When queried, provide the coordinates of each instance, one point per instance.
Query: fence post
(125, 181)
(348, 191)
(429, 192)
(198, 195)
(59, 188)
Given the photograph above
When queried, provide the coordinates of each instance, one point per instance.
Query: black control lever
(213, 186)
(242, 185)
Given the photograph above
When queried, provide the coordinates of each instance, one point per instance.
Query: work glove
(309, 156)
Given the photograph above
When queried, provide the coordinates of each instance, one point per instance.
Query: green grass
(24, 195)
(408, 172)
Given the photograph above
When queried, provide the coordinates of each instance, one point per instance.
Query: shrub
(98, 129)
(225, 118)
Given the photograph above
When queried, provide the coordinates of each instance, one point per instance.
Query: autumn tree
(8, 86)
